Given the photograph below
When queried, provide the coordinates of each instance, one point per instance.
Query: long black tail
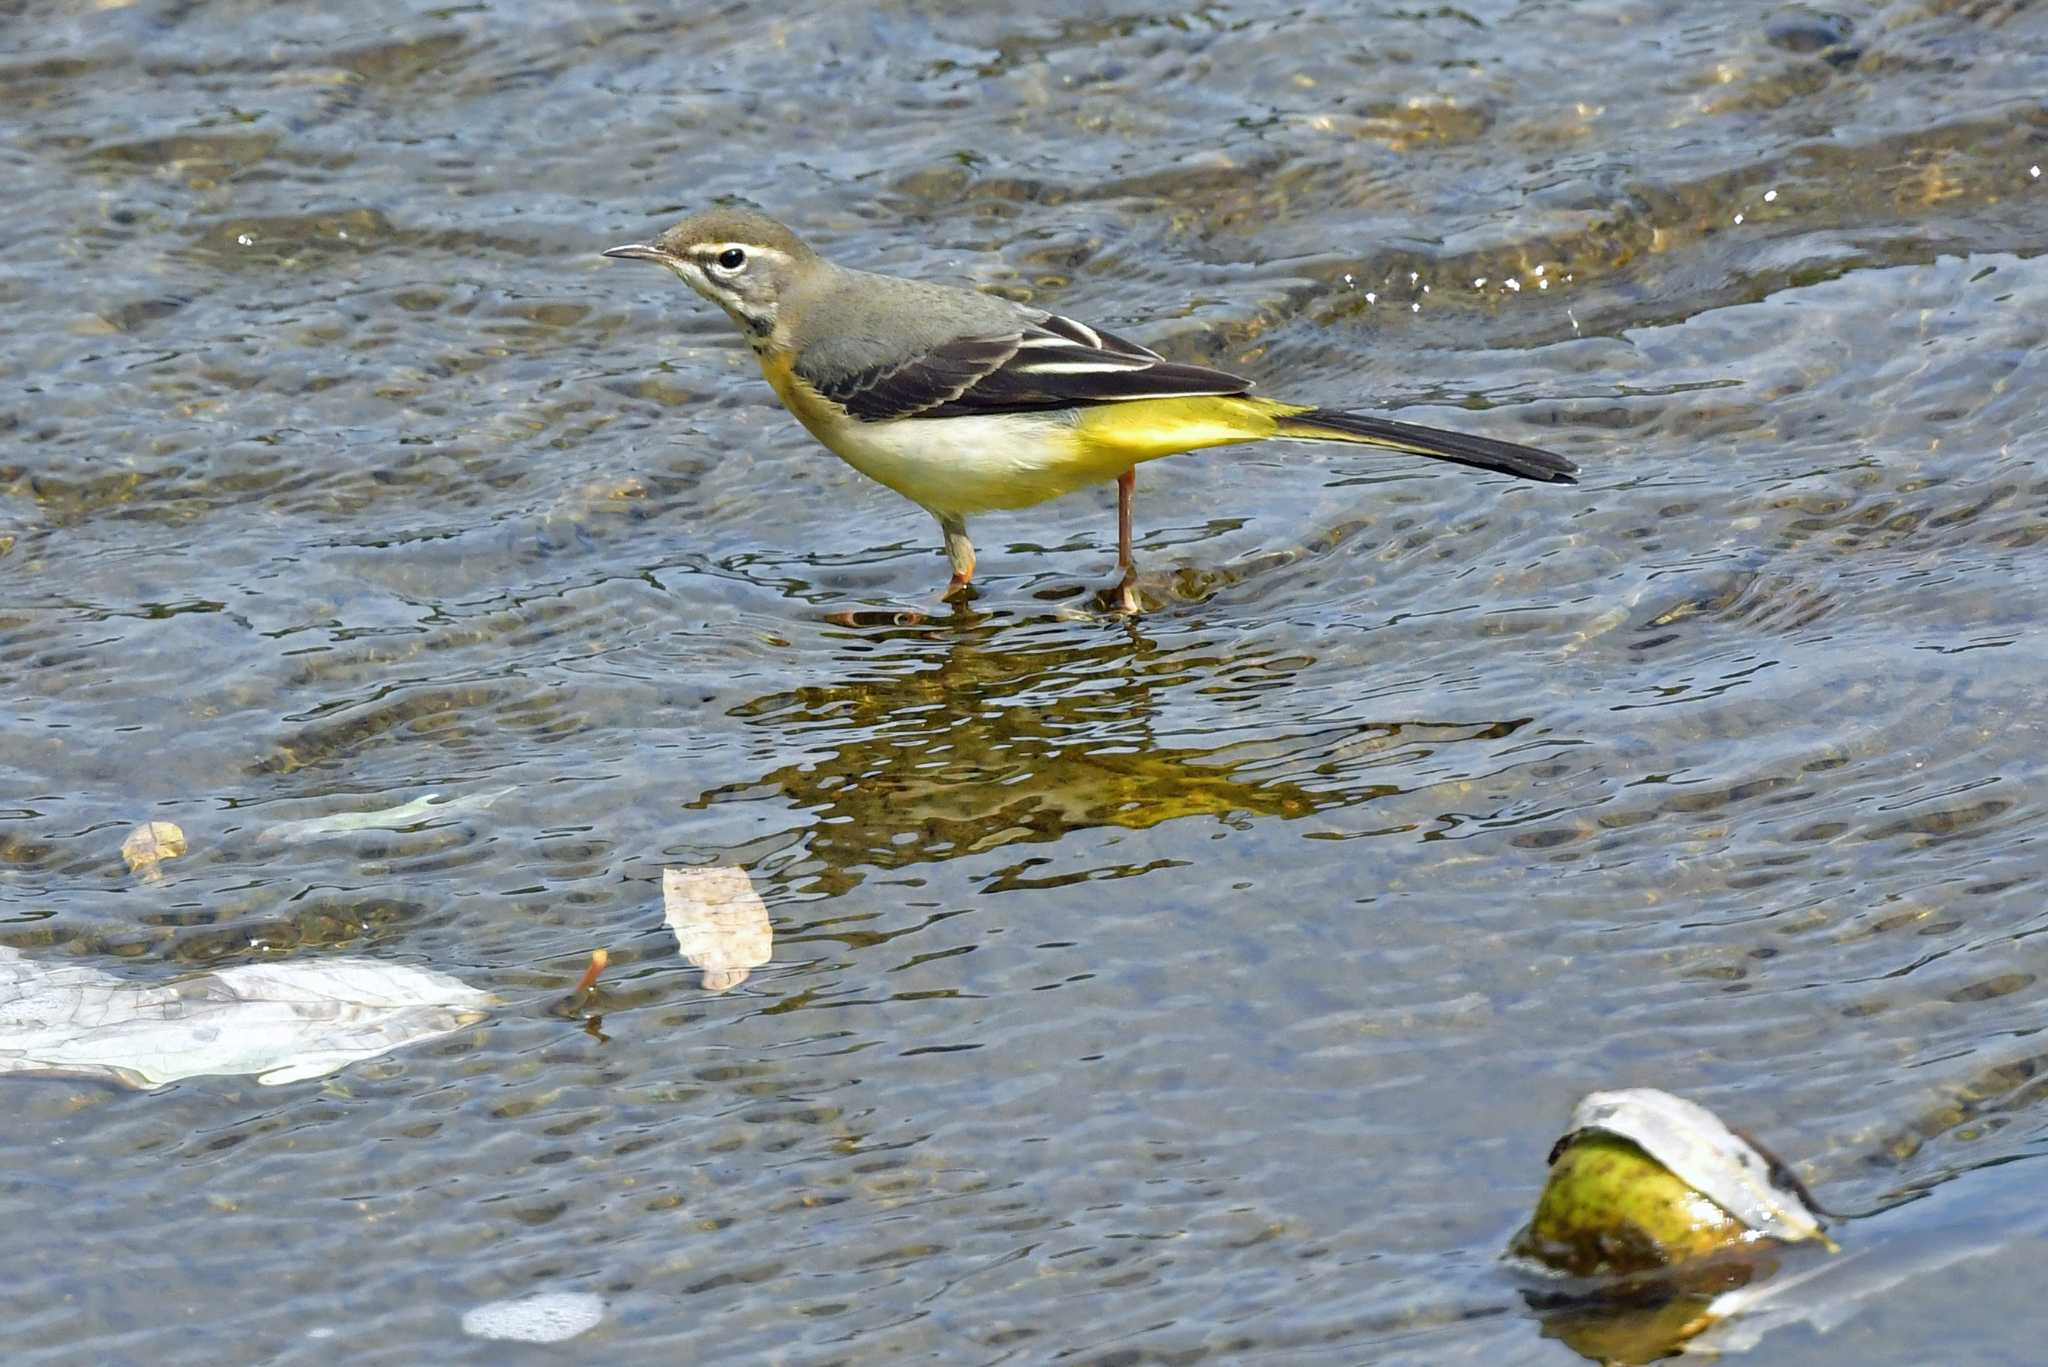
(1460, 448)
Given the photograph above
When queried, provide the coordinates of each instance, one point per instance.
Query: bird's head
(744, 262)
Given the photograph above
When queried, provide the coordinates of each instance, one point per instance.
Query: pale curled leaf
(720, 923)
(281, 1021)
(1694, 1144)
(148, 845)
(406, 814)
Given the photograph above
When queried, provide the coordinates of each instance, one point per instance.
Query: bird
(965, 402)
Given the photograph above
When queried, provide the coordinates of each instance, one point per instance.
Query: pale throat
(757, 321)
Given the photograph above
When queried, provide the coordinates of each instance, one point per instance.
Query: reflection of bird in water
(983, 735)
(965, 402)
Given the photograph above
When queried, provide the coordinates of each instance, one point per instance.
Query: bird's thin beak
(638, 251)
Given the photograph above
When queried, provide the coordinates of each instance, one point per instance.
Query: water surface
(1207, 987)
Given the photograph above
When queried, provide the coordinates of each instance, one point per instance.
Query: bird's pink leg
(1127, 590)
(960, 551)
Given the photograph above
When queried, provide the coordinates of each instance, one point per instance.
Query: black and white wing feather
(1053, 363)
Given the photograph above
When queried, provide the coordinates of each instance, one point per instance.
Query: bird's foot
(1126, 596)
(1118, 601)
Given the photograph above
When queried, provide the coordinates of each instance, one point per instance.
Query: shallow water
(1207, 987)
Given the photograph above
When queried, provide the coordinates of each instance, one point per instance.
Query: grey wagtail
(964, 402)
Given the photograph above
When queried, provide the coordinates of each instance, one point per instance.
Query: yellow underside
(964, 465)
(1146, 429)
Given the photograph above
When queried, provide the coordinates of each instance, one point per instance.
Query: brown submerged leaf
(148, 845)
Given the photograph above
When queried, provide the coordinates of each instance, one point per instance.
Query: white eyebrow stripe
(711, 251)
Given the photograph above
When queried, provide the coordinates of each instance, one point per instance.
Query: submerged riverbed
(1205, 986)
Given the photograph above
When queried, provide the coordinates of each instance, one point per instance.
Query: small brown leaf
(148, 845)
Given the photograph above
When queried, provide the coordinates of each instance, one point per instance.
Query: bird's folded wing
(1053, 363)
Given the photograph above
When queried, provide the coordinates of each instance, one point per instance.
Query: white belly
(957, 467)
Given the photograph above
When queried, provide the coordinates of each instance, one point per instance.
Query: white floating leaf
(1692, 1142)
(549, 1317)
(720, 922)
(283, 1022)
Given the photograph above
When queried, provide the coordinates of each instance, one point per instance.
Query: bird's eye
(731, 259)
